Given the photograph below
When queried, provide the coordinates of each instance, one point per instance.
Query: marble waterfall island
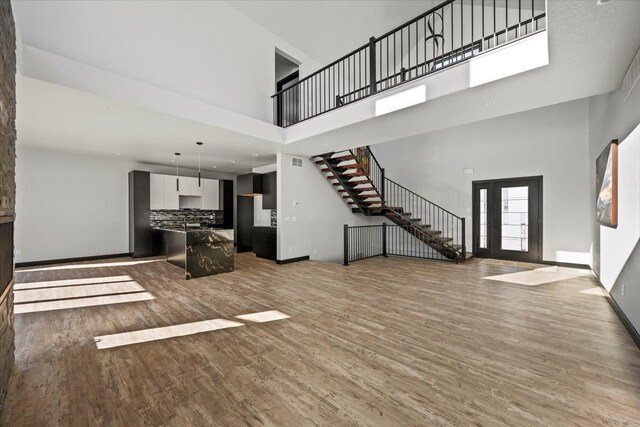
(199, 251)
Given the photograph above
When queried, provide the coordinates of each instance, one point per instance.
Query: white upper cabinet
(157, 191)
(171, 200)
(164, 193)
(211, 196)
(189, 186)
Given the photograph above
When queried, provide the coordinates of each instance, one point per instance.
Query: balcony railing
(450, 33)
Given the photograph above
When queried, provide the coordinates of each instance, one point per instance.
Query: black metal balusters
(388, 61)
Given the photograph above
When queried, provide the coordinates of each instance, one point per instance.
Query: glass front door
(507, 219)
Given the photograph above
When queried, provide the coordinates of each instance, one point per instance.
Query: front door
(507, 219)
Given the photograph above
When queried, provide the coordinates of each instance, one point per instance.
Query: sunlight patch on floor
(264, 316)
(541, 276)
(594, 291)
(79, 291)
(70, 282)
(81, 302)
(96, 265)
(162, 333)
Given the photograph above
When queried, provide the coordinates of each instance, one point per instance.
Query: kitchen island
(199, 251)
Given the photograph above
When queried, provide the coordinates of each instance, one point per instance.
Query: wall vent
(632, 76)
(296, 162)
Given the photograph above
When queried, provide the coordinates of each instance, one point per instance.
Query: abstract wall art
(607, 185)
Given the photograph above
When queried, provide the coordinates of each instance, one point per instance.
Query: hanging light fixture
(177, 173)
(199, 144)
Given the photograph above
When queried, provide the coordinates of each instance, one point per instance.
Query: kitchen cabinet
(171, 199)
(156, 191)
(189, 186)
(211, 194)
(265, 242)
(269, 191)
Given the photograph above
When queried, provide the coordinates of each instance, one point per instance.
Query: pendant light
(199, 144)
(177, 173)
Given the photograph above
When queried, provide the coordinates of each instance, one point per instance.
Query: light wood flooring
(385, 341)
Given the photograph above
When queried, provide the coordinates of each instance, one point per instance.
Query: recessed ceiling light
(490, 104)
(603, 2)
(233, 161)
(255, 154)
(215, 167)
(244, 139)
(107, 106)
(118, 154)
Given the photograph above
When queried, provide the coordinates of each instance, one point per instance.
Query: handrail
(427, 200)
(416, 19)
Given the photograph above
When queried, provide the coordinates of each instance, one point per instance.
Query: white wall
(207, 51)
(616, 254)
(71, 205)
(311, 213)
(552, 142)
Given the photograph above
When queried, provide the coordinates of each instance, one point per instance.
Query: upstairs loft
(454, 32)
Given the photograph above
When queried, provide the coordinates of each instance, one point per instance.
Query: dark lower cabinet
(265, 242)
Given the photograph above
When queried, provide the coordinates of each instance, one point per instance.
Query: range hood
(250, 185)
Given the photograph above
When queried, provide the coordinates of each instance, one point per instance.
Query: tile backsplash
(274, 218)
(176, 218)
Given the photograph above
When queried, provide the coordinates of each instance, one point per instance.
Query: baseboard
(290, 260)
(68, 260)
(635, 336)
(625, 320)
(566, 264)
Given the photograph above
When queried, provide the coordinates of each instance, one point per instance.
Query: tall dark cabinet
(142, 240)
(269, 190)
(245, 224)
(226, 203)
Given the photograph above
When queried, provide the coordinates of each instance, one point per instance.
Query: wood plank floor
(382, 342)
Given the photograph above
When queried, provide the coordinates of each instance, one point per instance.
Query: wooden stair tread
(342, 157)
(350, 166)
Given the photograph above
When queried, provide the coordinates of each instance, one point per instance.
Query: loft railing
(450, 33)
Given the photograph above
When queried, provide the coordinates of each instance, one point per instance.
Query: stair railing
(452, 32)
(369, 164)
(431, 222)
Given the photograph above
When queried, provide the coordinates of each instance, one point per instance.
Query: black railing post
(372, 65)
(464, 239)
(384, 201)
(384, 239)
(346, 244)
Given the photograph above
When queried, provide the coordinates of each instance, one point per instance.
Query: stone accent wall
(7, 110)
(7, 180)
(7, 345)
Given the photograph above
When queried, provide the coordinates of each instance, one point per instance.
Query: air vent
(296, 162)
(632, 76)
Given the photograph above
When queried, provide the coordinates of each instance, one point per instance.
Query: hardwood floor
(385, 341)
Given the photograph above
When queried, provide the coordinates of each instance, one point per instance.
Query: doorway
(286, 101)
(507, 219)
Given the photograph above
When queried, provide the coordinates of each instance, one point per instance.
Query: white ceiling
(55, 117)
(326, 30)
(590, 49)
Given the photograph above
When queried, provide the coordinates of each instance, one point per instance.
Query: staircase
(361, 182)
